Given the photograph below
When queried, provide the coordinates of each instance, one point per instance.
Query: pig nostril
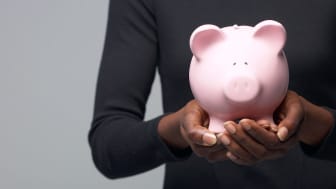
(246, 63)
(234, 63)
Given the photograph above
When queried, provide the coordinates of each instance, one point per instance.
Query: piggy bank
(238, 71)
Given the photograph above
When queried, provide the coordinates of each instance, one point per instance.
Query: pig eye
(234, 63)
(246, 63)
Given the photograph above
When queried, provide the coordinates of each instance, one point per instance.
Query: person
(145, 35)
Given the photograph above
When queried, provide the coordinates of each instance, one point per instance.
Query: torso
(310, 49)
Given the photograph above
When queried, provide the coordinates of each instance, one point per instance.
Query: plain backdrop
(50, 52)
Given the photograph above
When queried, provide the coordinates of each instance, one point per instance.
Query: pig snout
(241, 88)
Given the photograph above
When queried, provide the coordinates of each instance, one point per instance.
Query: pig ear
(272, 33)
(204, 37)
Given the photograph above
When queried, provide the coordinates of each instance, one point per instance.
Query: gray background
(49, 57)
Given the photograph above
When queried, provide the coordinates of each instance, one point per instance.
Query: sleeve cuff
(327, 149)
(165, 152)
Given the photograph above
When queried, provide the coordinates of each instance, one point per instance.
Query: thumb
(195, 124)
(290, 124)
(202, 136)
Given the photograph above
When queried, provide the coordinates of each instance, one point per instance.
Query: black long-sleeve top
(145, 35)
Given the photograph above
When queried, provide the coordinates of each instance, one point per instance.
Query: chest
(310, 47)
(310, 25)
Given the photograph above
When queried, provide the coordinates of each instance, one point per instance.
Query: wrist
(170, 132)
(316, 124)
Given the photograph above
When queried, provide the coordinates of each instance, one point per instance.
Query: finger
(244, 140)
(204, 151)
(232, 146)
(267, 125)
(195, 132)
(209, 149)
(193, 118)
(289, 125)
(260, 134)
(281, 149)
(293, 115)
(236, 160)
(198, 114)
(288, 144)
(201, 136)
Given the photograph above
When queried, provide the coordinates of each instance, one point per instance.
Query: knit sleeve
(122, 144)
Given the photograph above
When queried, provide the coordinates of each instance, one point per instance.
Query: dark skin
(188, 128)
(248, 141)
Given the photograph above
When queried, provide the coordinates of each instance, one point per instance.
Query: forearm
(124, 146)
(316, 125)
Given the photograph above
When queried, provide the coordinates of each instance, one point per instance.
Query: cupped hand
(289, 115)
(194, 124)
(250, 141)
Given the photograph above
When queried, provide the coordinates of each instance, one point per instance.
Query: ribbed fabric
(145, 35)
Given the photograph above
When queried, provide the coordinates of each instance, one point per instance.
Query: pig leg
(216, 125)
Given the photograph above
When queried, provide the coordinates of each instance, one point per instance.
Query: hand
(316, 125)
(194, 124)
(250, 142)
(290, 114)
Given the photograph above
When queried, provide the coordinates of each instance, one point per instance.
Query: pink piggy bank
(239, 71)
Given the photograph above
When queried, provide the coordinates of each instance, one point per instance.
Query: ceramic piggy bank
(239, 71)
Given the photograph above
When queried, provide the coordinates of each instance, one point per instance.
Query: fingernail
(282, 133)
(225, 140)
(230, 128)
(209, 139)
(219, 135)
(246, 126)
(231, 156)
